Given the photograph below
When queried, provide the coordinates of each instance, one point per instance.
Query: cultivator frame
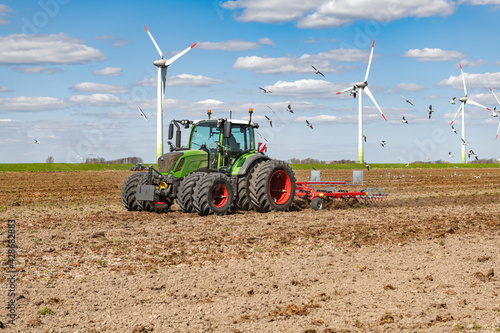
(306, 191)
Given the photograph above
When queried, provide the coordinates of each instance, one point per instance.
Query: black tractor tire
(272, 186)
(186, 190)
(213, 195)
(243, 201)
(153, 206)
(128, 191)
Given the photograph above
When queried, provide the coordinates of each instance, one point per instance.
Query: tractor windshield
(205, 135)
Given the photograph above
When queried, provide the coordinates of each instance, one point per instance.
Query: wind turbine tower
(358, 89)
(464, 100)
(162, 65)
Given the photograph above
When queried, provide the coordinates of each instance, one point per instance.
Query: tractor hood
(182, 163)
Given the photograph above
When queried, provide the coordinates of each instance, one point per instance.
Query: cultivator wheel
(186, 190)
(272, 186)
(128, 191)
(159, 207)
(213, 195)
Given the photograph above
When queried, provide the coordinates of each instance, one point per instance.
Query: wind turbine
(363, 86)
(499, 104)
(162, 65)
(464, 100)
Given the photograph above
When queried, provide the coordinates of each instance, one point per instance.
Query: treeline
(315, 161)
(124, 160)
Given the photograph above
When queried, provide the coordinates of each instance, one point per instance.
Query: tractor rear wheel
(128, 191)
(243, 201)
(159, 207)
(213, 195)
(272, 186)
(186, 190)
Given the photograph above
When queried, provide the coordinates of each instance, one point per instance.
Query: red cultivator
(316, 196)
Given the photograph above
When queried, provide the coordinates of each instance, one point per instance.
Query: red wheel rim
(280, 187)
(219, 195)
(160, 202)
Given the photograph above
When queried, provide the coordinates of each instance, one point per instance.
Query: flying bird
(404, 120)
(463, 142)
(265, 91)
(450, 155)
(494, 114)
(36, 141)
(452, 101)
(367, 166)
(271, 109)
(430, 111)
(471, 152)
(454, 130)
(143, 114)
(317, 71)
(309, 124)
(407, 100)
(383, 143)
(290, 108)
(269, 120)
(353, 93)
(364, 137)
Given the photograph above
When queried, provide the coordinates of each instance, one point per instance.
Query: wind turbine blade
(370, 62)
(477, 104)
(463, 79)
(498, 130)
(458, 112)
(178, 55)
(154, 42)
(495, 96)
(369, 93)
(345, 90)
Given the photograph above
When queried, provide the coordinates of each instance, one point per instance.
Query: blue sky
(72, 74)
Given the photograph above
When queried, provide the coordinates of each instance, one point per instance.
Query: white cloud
(96, 100)
(46, 49)
(109, 71)
(38, 70)
(473, 81)
(25, 103)
(428, 54)
(334, 13)
(183, 80)
(4, 9)
(306, 88)
(229, 45)
(266, 41)
(100, 88)
(3, 89)
(475, 63)
(480, 2)
(291, 64)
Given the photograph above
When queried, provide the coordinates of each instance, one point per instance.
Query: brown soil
(426, 259)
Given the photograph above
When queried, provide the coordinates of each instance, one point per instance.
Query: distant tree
(49, 159)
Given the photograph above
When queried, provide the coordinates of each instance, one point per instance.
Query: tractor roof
(233, 121)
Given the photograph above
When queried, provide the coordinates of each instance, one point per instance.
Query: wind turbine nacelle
(464, 99)
(160, 63)
(361, 84)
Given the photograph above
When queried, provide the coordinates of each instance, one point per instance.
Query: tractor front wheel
(159, 207)
(186, 190)
(272, 186)
(213, 195)
(128, 191)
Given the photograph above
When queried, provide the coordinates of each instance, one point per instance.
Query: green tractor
(219, 171)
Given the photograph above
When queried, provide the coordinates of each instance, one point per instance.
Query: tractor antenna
(209, 112)
(230, 114)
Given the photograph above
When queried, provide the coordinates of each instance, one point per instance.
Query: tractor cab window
(205, 135)
(241, 138)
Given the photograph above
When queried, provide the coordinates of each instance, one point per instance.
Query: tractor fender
(250, 161)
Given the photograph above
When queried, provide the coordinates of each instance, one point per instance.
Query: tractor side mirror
(170, 131)
(227, 129)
